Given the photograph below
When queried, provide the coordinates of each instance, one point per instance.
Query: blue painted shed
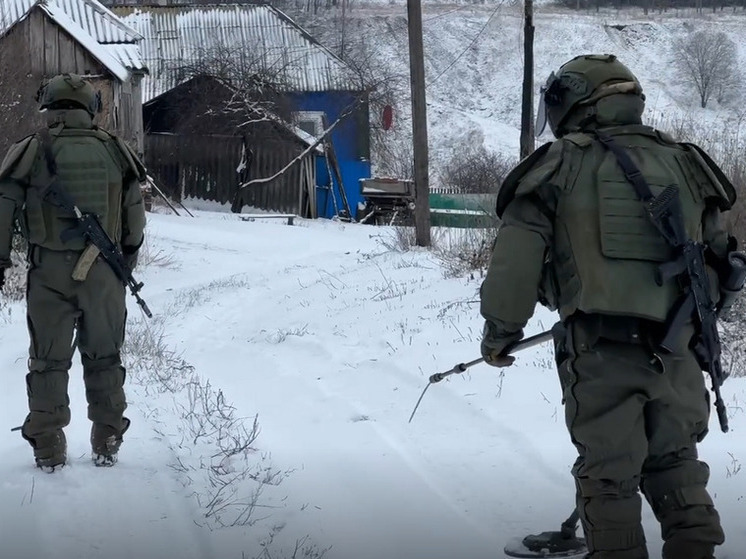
(350, 140)
(320, 86)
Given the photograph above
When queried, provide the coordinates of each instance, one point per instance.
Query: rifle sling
(54, 193)
(629, 168)
(46, 146)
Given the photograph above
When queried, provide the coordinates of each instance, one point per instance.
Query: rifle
(88, 226)
(665, 213)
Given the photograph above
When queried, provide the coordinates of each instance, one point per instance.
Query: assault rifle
(88, 226)
(665, 213)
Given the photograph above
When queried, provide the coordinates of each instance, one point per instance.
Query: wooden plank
(289, 218)
(85, 62)
(51, 47)
(35, 23)
(137, 118)
(67, 60)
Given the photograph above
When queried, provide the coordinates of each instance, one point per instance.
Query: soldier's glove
(494, 344)
(130, 257)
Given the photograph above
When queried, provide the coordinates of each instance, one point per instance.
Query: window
(310, 121)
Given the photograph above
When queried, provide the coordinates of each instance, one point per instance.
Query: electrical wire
(474, 40)
(447, 13)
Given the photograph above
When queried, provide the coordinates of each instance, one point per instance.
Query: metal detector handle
(513, 348)
(460, 368)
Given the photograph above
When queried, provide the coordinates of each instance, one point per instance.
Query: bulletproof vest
(606, 251)
(90, 172)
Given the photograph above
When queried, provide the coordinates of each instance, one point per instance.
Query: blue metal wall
(346, 139)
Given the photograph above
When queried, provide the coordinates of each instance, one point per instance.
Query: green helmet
(69, 89)
(581, 82)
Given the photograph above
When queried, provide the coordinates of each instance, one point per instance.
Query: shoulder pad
(665, 137)
(129, 157)
(137, 166)
(580, 139)
(722, 184)
(529, 174)
(20, 158)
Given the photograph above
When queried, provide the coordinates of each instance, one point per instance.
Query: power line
(447, 13)
(474, 40)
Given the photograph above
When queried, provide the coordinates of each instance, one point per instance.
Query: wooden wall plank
(35, 21)
(51, 48)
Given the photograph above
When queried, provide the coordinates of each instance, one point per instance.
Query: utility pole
(527, 104)
(419, 124)
(344, 35)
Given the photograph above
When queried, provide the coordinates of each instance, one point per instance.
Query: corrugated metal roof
(179, 37)
(100, 31)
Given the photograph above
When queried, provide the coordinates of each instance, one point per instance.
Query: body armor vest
(606, 251)
(90, 173)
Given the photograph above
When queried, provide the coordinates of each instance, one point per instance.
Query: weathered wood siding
(207, 168)
(38, 48)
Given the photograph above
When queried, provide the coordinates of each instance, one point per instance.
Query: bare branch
(349, 110)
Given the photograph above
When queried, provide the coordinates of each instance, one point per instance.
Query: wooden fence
(213, 167)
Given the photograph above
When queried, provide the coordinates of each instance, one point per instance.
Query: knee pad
(105, 374)
(680, 498)
(46, 365)
(101, 363)
(589, 488)
(677, 487)
(47, 390)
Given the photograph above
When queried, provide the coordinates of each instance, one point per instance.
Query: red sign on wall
(387, 118)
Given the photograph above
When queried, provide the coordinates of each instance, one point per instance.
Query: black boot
(105, 442)
(50, 449)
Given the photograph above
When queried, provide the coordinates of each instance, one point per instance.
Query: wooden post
(527, 104)
(419, 124)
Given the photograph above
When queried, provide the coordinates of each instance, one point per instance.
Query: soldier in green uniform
(68, 293)
(575, 237)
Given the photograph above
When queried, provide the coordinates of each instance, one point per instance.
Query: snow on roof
(305, 137)
(96, 28)
(179, 37)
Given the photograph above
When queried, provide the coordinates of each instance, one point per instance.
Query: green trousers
(58, 306)
(635, 416)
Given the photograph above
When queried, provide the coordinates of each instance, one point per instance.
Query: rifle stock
(89, 227)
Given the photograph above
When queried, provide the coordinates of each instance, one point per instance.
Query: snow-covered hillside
(329, 336)
(474, 63)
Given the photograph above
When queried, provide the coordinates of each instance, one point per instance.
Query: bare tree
(475, 170)
(709, 59)
(252, 81)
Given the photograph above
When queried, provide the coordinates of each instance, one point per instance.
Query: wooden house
(318, 88)
(197, 149)
(42, 38)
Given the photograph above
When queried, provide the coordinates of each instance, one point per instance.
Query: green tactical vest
(91, 173)
(606, 251)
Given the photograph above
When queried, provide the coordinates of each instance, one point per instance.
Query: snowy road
(329, 338)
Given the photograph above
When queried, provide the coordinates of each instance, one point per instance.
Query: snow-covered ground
(329, 337)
